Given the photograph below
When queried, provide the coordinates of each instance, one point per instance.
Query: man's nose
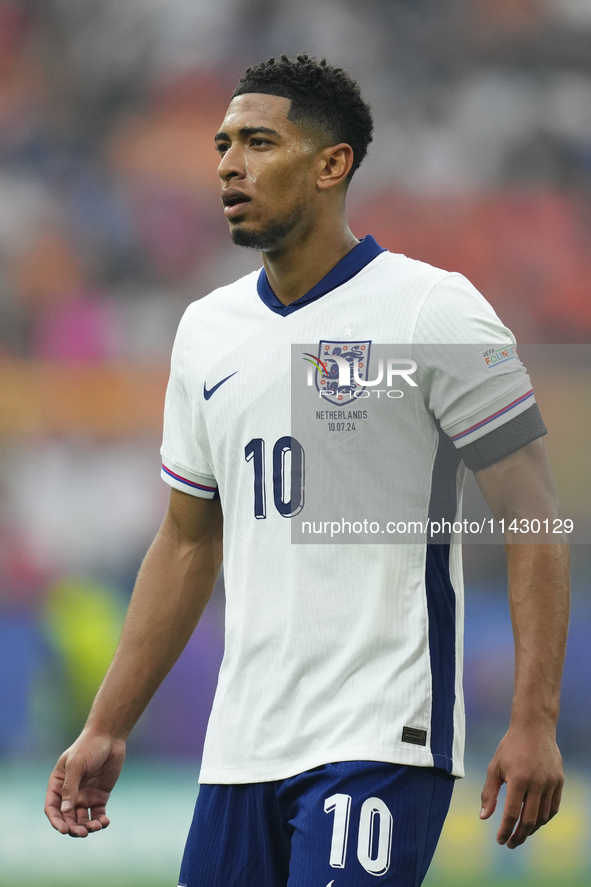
(231, 166)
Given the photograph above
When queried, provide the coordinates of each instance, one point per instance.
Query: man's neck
(296, 268)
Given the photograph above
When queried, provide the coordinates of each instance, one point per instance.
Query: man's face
(268, 169)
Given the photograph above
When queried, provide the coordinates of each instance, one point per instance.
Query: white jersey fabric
(331, 654)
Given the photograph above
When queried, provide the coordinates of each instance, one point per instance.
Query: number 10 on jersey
(374, 842)
(288, 476)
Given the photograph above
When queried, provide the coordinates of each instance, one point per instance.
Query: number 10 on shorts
(373, 848)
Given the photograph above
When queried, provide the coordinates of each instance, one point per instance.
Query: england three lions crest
(341, 370)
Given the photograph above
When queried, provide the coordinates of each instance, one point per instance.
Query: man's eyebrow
(245, 132)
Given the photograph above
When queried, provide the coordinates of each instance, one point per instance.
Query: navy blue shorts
(349, 824)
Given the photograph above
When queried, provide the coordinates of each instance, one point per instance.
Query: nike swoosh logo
(331, 883)
(207, 394)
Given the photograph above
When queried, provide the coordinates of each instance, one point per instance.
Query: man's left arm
(527, 759)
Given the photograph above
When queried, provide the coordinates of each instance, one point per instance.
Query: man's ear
(334, 166)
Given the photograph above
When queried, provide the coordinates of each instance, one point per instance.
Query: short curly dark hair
(322, 97)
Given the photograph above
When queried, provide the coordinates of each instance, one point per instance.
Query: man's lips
(234, 203)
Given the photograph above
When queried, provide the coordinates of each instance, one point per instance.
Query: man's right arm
(173, 587)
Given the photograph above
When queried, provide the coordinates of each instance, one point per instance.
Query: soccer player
(337, 728)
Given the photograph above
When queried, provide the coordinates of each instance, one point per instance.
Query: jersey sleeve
(186, 460)
(473, 380)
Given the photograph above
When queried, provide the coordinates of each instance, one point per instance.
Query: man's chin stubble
(259, 240)
(266, 240)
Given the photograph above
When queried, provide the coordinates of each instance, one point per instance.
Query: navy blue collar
(350, 265)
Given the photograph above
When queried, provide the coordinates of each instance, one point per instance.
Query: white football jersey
(349, 652)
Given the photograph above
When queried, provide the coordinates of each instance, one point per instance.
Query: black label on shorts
(417, 737)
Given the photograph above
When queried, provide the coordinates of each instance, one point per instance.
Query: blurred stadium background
(110, 225)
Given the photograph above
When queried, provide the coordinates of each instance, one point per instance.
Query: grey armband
(503, 441)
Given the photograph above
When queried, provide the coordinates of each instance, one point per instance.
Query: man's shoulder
(224, 297)
(436, 295)
(412, 270)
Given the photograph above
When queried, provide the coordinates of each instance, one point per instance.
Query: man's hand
(531, 765)
(173, 586)
(527, 759)
(82, 780)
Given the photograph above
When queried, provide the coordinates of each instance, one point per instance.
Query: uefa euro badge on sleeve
(341, 370)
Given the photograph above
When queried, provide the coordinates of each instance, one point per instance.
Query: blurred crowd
(109, 220)
(110, 225)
